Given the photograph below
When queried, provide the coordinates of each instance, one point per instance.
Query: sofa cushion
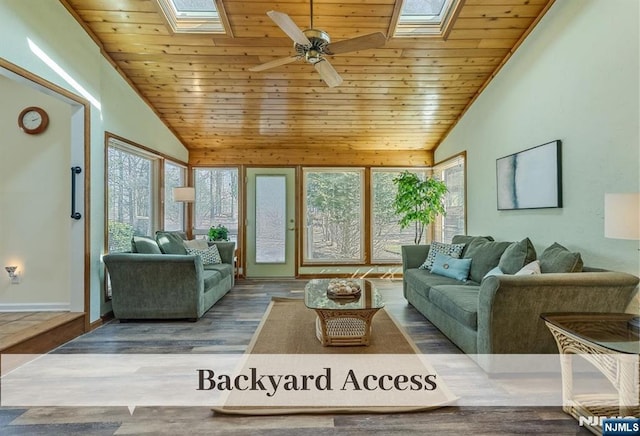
(452, 250)
(458, 301)
(224, 269)
(171, 242)
(517, 255)
(557, 259)
(421, 280)
(145, 245)
(211, 278)
(209, 255)
(466, 239)
(484, 255)
(451, 267)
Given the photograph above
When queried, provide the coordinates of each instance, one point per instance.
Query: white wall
(34, 222)
(575, 78)
(116, 107)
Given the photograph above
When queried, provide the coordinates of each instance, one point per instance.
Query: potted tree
(218, 233)
(418, 201)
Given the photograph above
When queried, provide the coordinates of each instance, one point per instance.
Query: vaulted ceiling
(404, 96)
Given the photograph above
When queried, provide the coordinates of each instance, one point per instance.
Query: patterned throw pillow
(209, 256)
(452, 250)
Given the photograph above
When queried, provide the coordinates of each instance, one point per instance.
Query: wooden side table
(608, 342)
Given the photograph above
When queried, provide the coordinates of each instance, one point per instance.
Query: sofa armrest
(413, 256)
(509, 307)
(156, 285)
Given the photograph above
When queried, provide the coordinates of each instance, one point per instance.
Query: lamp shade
(184, 194)
(622, 216)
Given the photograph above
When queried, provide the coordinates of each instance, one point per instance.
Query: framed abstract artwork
(530, 179)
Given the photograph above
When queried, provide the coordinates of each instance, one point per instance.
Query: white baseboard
(35, 307)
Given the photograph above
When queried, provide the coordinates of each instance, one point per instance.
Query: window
(131, 194)
(386, 235)
(425, 17)
(453, 173)
(194, 16)
(216, 200)
(174, 176)
(333, 215)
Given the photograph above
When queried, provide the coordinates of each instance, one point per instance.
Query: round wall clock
(33, 120)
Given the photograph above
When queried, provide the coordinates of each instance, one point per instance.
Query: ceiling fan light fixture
(312, 56)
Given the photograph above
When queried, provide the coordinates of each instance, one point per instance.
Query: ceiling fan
(313, 45)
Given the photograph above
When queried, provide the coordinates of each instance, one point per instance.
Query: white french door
(270, 225)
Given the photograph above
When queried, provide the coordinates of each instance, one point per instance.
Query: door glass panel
(271, 213)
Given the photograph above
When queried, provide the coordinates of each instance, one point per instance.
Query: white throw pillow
(529, 269)
(200, 244)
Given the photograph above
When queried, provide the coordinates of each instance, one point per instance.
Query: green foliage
(418, 201)
(333, 209)
(120, 235)
(218, 233)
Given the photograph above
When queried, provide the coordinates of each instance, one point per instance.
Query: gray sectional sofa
(500, 314)
(159, 279)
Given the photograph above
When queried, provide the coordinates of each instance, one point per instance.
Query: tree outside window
(216, 200)
(333, 215)
(129, 198)
(386, 235)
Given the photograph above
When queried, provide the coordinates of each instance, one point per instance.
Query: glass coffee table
(612, 345)
(342, 320)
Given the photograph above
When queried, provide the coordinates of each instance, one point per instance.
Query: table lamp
(184, 194)
(622, 221)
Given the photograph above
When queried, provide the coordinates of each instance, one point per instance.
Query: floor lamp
(622, 221)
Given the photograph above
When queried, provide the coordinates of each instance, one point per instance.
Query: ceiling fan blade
(328, 73)
(289, 27)
(274, 63)
(363, 42)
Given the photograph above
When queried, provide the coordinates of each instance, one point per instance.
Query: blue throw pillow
(450, 267)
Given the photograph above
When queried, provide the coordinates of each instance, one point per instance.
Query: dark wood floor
(227, 328)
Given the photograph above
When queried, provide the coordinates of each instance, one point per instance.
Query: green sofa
(163, 281)
(500, 314)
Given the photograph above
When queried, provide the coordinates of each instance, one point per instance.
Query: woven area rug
(288, 328)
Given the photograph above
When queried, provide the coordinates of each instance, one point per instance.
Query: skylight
(197, 16)
(424, 17)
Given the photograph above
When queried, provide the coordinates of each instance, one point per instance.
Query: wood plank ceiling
(394, 107)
